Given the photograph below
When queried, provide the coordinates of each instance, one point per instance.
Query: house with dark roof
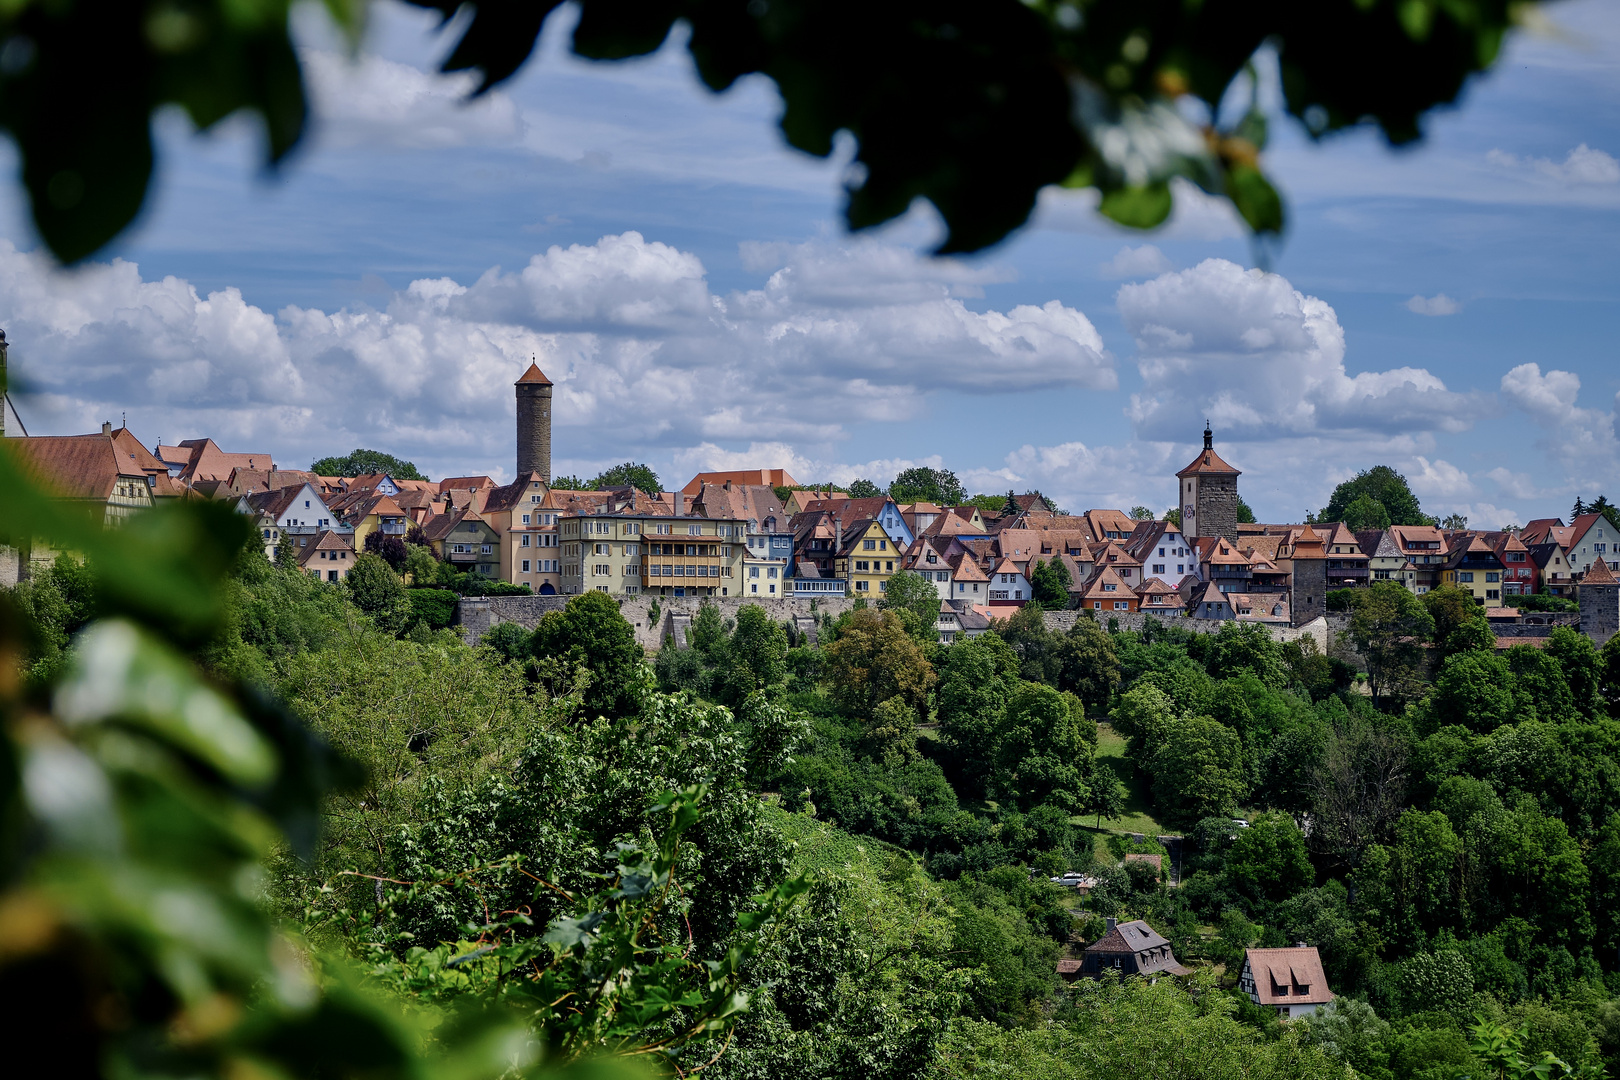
(1290, 981)
(1130, 948)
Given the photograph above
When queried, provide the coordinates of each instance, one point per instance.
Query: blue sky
(685, 280)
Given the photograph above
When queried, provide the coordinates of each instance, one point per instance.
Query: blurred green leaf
(1137, 207)
(1255, 199)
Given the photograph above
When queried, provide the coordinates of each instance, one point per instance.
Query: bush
(434, 607)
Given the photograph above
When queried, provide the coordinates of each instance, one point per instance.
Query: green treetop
(366, 463)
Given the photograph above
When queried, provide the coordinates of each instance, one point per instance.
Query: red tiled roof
(1291, 976)
(1599, 574)
(533, 375)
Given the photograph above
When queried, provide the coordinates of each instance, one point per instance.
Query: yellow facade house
(866, 558)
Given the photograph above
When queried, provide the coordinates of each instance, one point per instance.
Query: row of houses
(759, 533)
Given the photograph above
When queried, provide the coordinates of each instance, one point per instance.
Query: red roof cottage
(1291, 981)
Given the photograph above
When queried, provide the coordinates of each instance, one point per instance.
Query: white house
(1008, 585)
(296, 509)
(1290, 980)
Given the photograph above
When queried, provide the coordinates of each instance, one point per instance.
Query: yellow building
(1473, 567)
(627, 553)
(866, 558)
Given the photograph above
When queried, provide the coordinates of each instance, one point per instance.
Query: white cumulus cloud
(645, 356)
(1584, 439)
(1260, 360)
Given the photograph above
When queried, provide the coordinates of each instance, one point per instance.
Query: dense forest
(764, 855)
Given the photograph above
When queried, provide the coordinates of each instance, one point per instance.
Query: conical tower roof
(533, 375)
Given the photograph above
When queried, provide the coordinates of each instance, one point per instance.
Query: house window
(860, 586)
(632, 528)
(694, 530)
(525, 566)
(869, 545)
(1096, 605)
(525, 519)
(525, 539)
(1465, 575)
(1109, 587)
(1122, 605)
(1492, 575)
(1158, 568)
(487, 549)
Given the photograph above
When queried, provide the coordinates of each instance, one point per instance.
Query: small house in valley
(1130, 948)
(1291, 980)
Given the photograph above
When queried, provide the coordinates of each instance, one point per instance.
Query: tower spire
(1209, 436)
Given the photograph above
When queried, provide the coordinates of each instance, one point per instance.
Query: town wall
(478, 615)
(1320, 629)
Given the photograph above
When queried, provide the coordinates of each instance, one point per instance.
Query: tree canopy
(630, 474)
(922, 484)
(366, 463)
(1378, 494)
(973, 106)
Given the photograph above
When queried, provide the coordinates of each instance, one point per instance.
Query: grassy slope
(1138, 816)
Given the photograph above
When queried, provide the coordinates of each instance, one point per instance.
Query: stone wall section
(1307, 599)
(1218, 507)
(478, 615)
(1600, 612)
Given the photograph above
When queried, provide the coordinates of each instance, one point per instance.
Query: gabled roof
(964, 567)
(533, 375)
(1105, 575)
(1292, 976)
(1006, 566)
(1536, 531)
(465, 483)
(741, 502)
(76, 466)
(774, 478)
(508, 496)
(325, 540)
(275, 502)
(1102, 522)
(201, 459)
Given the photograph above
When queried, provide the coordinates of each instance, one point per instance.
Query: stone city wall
(1319, 628)
(477, 615)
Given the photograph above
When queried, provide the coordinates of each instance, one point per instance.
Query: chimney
(106, 427)
(680, 503)
(1111, 923)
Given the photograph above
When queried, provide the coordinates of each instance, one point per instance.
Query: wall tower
(534, 423)
(1600, 603)
(1209, 497)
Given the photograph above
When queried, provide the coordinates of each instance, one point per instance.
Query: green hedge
(436, 607)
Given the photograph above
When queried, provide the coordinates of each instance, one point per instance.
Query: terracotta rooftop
(533, 375)
(1599, 574)
(1291, 976)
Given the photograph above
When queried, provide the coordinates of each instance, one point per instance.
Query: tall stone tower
(1600, 603)
(1307, 598)
(534, 423)
(1209, 497)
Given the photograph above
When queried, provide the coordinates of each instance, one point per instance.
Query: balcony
(392, 528)
(462, 556)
